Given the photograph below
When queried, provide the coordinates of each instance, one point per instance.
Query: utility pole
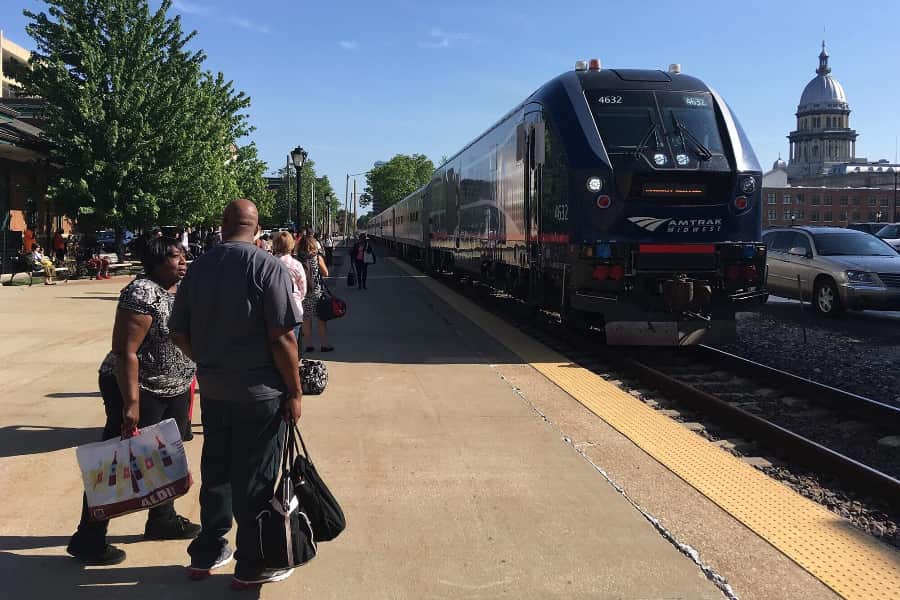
(354, 206)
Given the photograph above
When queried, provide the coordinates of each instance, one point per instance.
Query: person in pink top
(282, 247)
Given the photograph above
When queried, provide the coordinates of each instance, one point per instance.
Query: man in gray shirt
(234, 315)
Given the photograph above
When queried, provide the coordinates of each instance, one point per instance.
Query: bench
(40, 272)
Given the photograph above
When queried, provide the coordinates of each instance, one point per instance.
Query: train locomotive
(628, 200)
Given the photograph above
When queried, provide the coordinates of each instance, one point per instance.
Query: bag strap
(296, 432)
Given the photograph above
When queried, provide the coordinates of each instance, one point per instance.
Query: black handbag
(316, 500)
(286, 535)
(313, 376)
(351, 276)
(330, 306)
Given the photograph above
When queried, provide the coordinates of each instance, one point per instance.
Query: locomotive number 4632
(610, 99)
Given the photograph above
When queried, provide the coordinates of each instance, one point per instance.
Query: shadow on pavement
(28, 542)
(35, 576)
(113, 298)
(73, 395)
(398, 321)
(21, 440)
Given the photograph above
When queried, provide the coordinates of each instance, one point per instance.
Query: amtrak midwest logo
(673, 225)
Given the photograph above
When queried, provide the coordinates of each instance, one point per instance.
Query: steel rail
(819, 393)
(796, 448)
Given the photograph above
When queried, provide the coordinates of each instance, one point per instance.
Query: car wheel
(826, 299)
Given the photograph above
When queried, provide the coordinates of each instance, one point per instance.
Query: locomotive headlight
(748, 185)
(594, 184)
(660, 159)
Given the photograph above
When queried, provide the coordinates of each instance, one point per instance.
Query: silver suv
(835, 268)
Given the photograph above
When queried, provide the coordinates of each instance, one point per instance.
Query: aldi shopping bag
(122, 476)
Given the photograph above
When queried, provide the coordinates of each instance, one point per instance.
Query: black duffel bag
(286, 535)
(330, 306)
(316, 500)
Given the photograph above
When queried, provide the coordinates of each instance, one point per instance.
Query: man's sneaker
(247, 581)
(177, 528)
(104, 556)
(200, 570)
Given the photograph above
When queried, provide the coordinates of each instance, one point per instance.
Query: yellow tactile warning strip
(850, 562)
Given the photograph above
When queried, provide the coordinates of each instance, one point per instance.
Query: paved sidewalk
(453, 486)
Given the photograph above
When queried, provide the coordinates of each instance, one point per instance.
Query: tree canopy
(392, 181)
(139, 131)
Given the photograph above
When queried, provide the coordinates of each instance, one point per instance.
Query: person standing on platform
(59, 247)
(363, 255)
(329, 250)
(28, 240)
(282, 246)
(144, 379)
(308, 254)
(235, 316)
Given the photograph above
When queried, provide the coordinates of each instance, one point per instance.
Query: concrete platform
(455, 464)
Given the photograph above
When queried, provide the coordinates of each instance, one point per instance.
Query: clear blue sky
(356, 82)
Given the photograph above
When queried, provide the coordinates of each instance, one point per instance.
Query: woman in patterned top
(144, 379)
(308, 255)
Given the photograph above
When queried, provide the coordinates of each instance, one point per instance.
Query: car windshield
(889, 232)
(851, 243)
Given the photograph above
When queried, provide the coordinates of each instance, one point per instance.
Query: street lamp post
(298, 156)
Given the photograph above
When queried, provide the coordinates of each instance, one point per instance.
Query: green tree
(389, 183)
(251, 180)
(140, 132)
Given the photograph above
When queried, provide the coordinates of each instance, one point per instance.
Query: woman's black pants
(362, 272)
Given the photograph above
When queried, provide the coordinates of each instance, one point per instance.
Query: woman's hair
(282, 243)
(308, 245)
(156, 252)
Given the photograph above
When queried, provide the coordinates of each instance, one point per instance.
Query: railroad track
(832, 433)
(819, 427)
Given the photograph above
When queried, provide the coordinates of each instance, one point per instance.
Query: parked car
(891, 234)
(867, 227)
(107, 238)
(835, 268)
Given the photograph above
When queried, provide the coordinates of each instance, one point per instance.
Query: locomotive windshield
(670, 129)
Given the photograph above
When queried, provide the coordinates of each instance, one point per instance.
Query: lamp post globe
(298, 157)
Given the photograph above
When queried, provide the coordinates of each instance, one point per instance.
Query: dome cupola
(824, 92)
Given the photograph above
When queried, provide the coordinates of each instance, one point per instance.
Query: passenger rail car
(628, 200)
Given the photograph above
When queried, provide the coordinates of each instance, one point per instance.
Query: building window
(786, 198)
(828, 216)
(771, 215)
(856, 215)
(815, 201)
(827, 200)
(800, 214)
(814, 215)
(770, 198)
(844, 201)
(855, 202)
(872, 202)
(843, 215)
(871, 215)
(799, 198)
(884, 201)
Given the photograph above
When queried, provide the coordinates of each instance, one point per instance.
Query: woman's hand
(131, 415)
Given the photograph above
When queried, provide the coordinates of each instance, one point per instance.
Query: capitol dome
(779, 164)
(824, 92)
